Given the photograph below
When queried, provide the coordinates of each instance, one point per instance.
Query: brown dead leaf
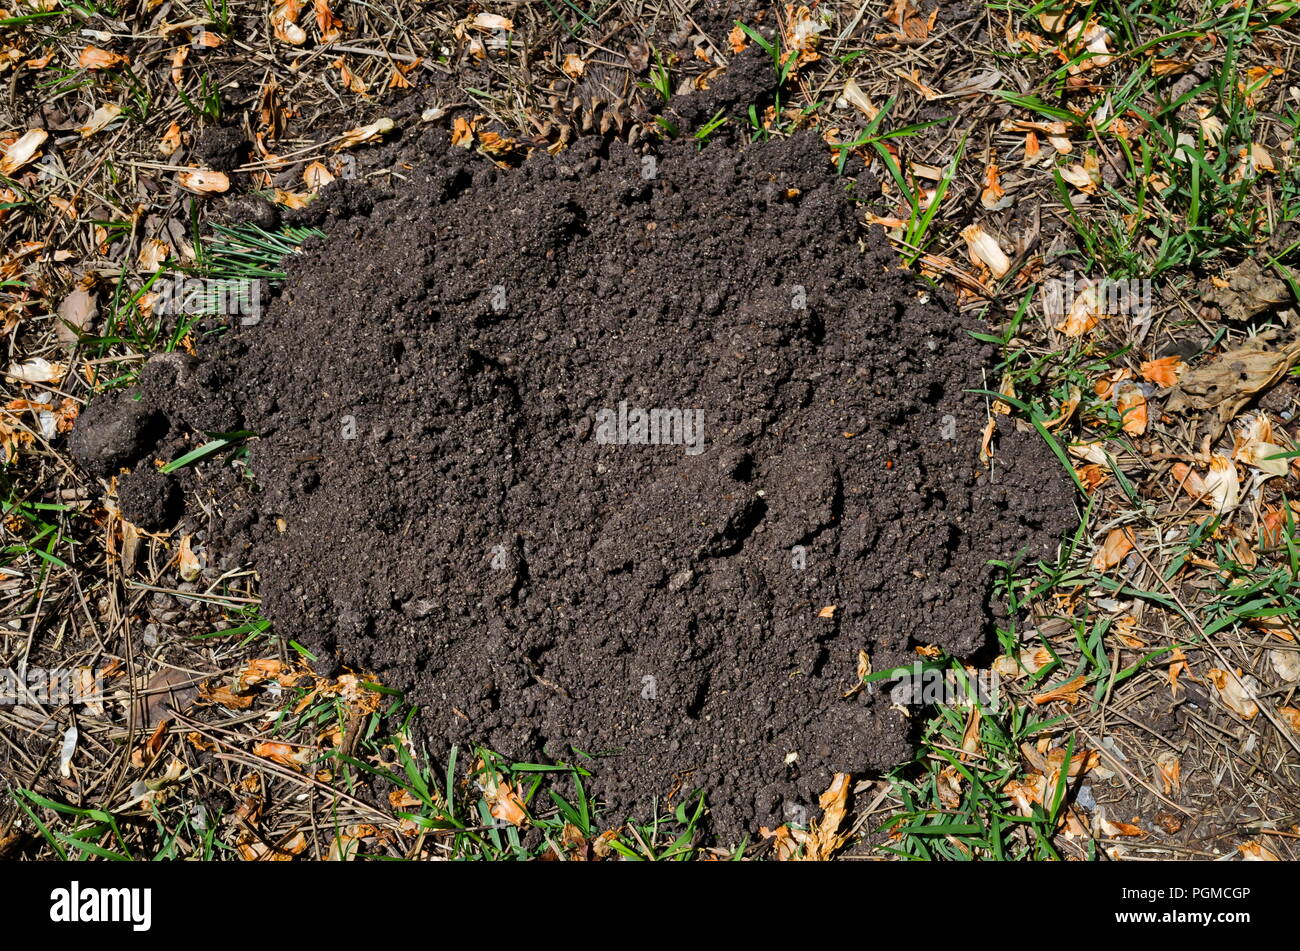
(261, 669)
(1255, 852)
(1084, 313)
(37, 370)
(203, 181)
(403, 799)
(1024, 795)
(92, 57)
(913, 79)
(397, 78)
(1107, 384)
(854, 96)
(1222, 483)
(1229, 382)
(984, 249)
(785, 848)
(22, 150)
(1124, 629)
(1189, 480)
(462, 133)
(1073, 397)
(1067, 692)
(504, 802)
(189, 563)
(986, 441)
(347, 843)
(1274, 527)
(1091, 476)
(802, 34)
(294, 200)
(493, 143)
(1055, 17)
(1119, 542)
(736, 39)
(1162, 372)
(1033, 148)
(316, 176)
(1291, 717)
(1169, 67)
(1132, 406)
(573, 842)
(1236, 690)
(1179, 665)
(491, 22)
(13, 439)
(993, 195)
(100, 119)
(827, 839)
(351, 81)
(77, 312)
(284, 22)
(153, 253)
(1080, 762)
(365, 133)
(1286, 664)
(1095, 38)
(179, 56)
(255, 850)
(1114, 830)
(171, 140)
(573, 66)
(1257, 78)
(1078, 176)
(1171, 772)
(144, 754)
(286, 754)
(329, 26)
(68, 208)
(1253, 445)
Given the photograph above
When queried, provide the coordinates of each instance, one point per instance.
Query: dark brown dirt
(115, 430)
(149, 499)
(435, 502)
(221, 147)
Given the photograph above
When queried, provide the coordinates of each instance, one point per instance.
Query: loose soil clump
(622, 455)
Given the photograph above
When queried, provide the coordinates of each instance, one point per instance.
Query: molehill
(619, 453)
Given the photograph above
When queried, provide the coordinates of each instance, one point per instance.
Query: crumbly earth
(149, 499)
(439, 500)
(113, 431)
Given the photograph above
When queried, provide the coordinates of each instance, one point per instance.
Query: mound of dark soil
(624, 454)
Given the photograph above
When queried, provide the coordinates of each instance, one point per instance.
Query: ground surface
(1148, 667)
(438, 501)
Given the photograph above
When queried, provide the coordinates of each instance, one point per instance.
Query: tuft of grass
(249, 252)
(660, 78)
(979, 820)
(1185, 193)
(453, 812)
(236, 256)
